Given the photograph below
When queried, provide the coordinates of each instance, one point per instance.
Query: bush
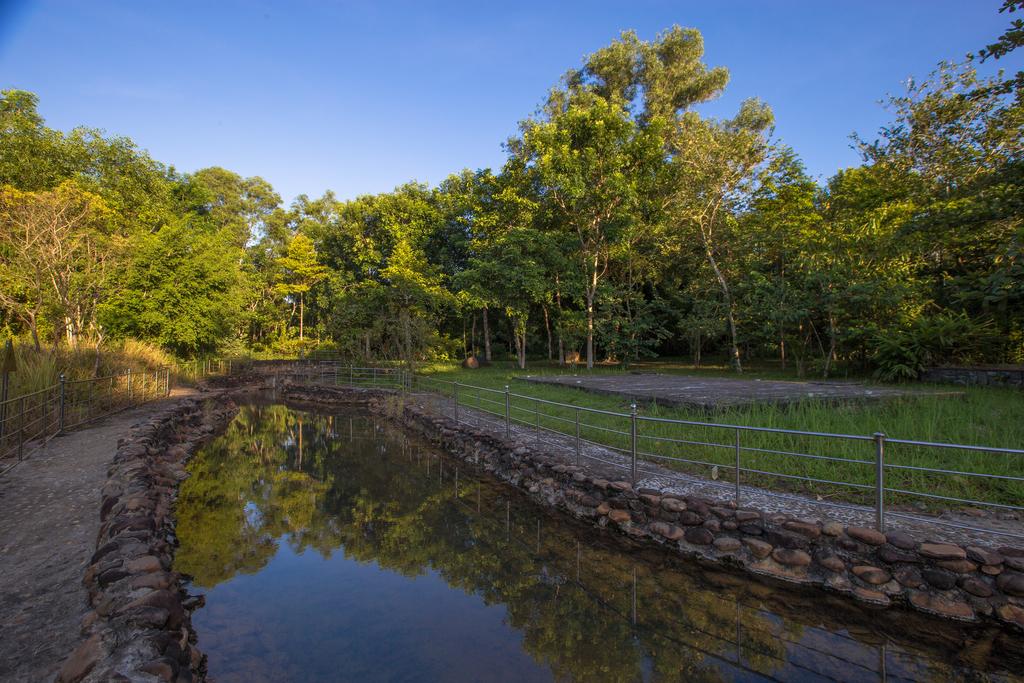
(943, 339)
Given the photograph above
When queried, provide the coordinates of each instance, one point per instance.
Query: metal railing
(341, 374)
(845, 471)
(28, 421)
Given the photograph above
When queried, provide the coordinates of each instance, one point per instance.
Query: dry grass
(40, 369)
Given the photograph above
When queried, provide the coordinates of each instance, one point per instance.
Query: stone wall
(967, 584)
(139, 627)
(992, 375)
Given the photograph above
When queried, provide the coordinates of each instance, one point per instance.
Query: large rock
(666, 530)
(892, 555)
(690, 518)
(942, 551)
(791, 557)
(832, 562)
(727, 544)
(805, 528)
(901, 539)
(942, 606)
(940, 578)
(80, 662)
(758, 548)
(699, 536)
(983, 555)
(865, 535)
(619, 516)
(872, 575)
(1011, 583)
(976, 586)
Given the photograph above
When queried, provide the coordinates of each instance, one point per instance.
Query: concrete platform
(715, 393)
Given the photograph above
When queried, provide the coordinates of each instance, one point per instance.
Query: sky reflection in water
(338, 548)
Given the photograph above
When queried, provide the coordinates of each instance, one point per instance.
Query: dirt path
(49, 518)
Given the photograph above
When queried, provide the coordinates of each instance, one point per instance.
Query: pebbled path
(49, 518)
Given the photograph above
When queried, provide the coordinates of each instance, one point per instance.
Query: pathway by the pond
(612, 464)
(49, 518)
(716, 393)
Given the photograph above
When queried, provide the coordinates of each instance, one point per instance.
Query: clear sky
(358, 97)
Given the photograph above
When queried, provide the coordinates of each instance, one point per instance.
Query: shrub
(943, 339)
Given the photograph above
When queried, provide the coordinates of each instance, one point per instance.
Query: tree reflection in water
(282, 486)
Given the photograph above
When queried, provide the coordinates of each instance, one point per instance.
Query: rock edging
(139, 627)
(968, 584)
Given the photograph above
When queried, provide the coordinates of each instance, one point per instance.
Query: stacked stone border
(967, 584)
(139, 627)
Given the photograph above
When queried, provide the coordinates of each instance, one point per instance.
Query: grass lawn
(980, 416)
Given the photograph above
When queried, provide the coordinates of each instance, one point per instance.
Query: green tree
(300, 272)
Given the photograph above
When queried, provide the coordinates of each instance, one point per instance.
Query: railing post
(879, 438)
(737, 471)
(373, 380)
(632, 437)
(129, 386)
(536, 427)
(578, 445)
(508, 413)
(455, 399)
(21, 431)
(60, 419)
(351, 375)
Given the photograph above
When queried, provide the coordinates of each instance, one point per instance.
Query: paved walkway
(49, 518)
(710, 393)
(611, 464)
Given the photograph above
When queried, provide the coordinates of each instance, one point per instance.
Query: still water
(338, 548)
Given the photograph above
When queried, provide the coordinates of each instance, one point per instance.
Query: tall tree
(300, 272)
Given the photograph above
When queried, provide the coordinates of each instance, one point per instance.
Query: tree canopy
(624, 223)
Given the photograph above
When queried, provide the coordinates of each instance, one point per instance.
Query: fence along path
(641, 447)
(29, 421)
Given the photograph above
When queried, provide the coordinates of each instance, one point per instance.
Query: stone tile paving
(49, 518)
(711, 393)
(606, 462)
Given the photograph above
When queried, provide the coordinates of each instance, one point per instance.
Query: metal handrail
(538, 411)
(29, 421)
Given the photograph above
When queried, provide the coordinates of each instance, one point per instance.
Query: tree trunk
(547, 328)
(590, 330)
(472, 337)
(782, 348)
(519, 339)
(407, 339)
(34, 329)
(734, 338)
(735, 344)
(558, 303)
(487, 338)
(302, 312)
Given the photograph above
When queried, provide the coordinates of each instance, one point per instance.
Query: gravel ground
(49, 518)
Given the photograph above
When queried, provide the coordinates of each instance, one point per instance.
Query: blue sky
(358, 97)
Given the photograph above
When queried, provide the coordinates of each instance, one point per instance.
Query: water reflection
(335, 547)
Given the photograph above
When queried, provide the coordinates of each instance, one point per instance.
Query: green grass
(978, 416)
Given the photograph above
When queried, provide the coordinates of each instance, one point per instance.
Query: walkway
(49, 518)
(611, 464)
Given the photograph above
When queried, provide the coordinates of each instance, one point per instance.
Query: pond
(337, 547)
